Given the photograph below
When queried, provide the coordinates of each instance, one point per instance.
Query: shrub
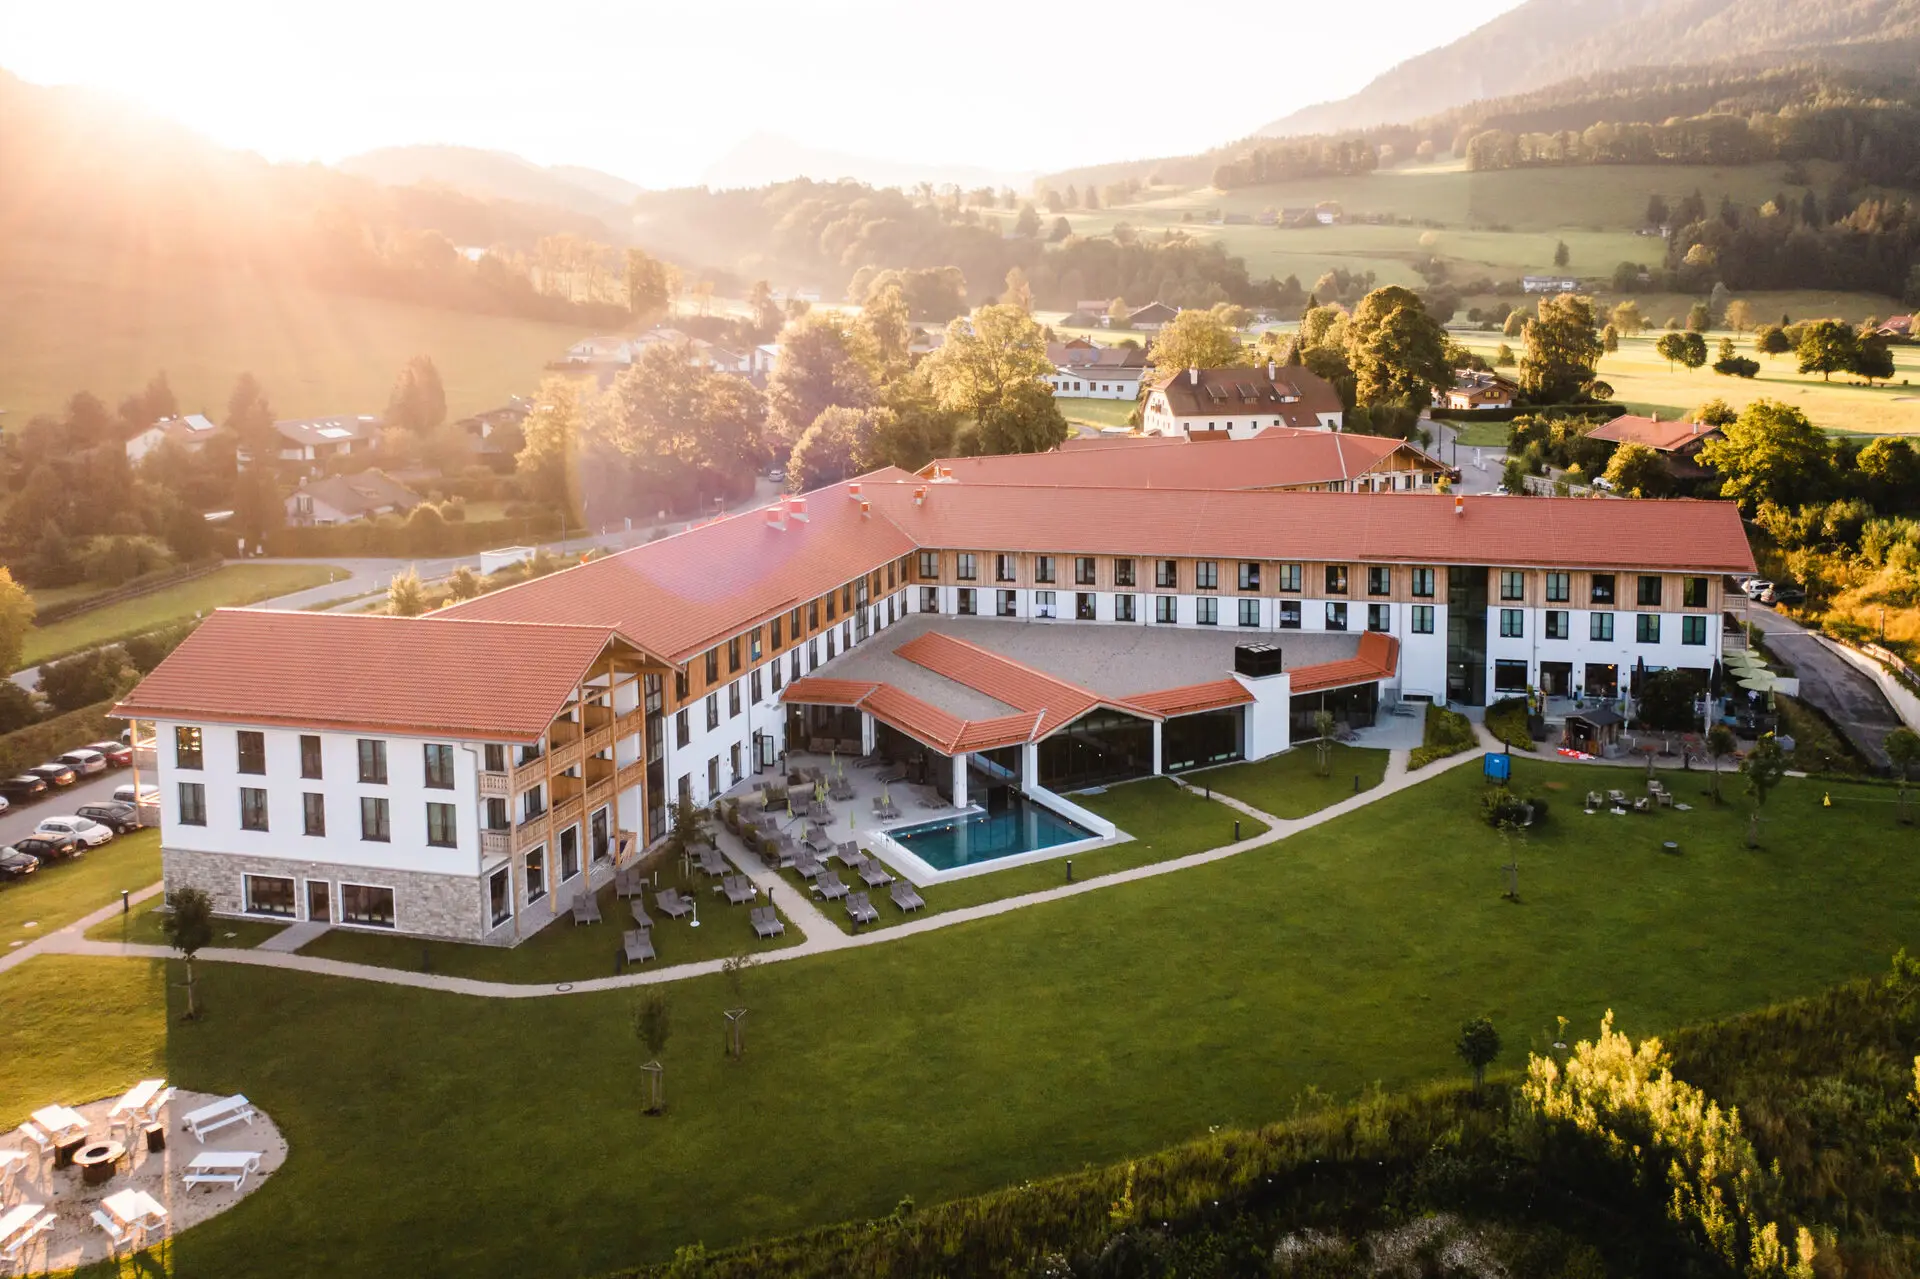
(1447, 733)
(1507, 720)
(149, 650)
(86, 678)
(41, 742)
(1501, 808)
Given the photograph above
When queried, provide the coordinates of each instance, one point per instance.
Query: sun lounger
(673, 903)
(638, 945)
(818, 840)
(829, 886)
(905, 897)
(739, 889)
(628, 883)
(849, 854)
(819, 812)
(874, 873)
(860, 910)
(221, 1168)
(641, 919)
(712, 863)
(841, 791)
(211, 1118)
(586, 907)
(808, 865)
(767, 922)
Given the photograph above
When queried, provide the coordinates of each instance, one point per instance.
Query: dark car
(25, 786)
(15, 864)
(54, 774)
(118, 817)
(49, 848)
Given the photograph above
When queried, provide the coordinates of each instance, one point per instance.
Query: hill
(499, 175)
(1545, 41)
(767, 159)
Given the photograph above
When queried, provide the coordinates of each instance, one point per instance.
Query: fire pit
(97, 1163)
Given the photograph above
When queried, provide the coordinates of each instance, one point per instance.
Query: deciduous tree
(1626, 317)
(1903, 749)
(1770, 453)
(992, 370)
(1827, 347)
(406, 597)
(1562, 350)
(1763, 768)
(1478, 1046)
(418, 402)
(16, 619)
(1196, 340)
(548, 459)
(818, 367)
(1720, 745)
(188, 925)
(1637, 471)
(1395, 349)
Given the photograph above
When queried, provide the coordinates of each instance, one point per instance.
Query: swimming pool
(1022, 827)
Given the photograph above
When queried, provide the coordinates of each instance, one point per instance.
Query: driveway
(18, 821)
(1480, 468)
(1828, 681)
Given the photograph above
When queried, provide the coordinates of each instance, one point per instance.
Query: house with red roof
(1677, 441)
(1238, 403)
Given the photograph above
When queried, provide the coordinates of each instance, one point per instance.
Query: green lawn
(232, 585)
(142, 927)
(1166, 823)
(61, 892)
(1484, 435)
(444, 1135)
(1290, 785)
(1095, 413)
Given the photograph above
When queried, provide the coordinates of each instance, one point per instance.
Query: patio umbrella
(1761, 681)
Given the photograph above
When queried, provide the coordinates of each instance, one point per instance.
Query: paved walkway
(822, 935)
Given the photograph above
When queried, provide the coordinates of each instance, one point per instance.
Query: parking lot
(19, 820)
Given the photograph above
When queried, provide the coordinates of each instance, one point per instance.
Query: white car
(1757, 587)
(149, 794)
(1602, 483)
(84, 829)
(84, 762)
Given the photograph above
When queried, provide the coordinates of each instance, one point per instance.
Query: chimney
(777, 517)
(1459, 504)
(920, 496)
(866, 509)
(1272, 370)
(853, 489)
(797, 508)
(1193, 376)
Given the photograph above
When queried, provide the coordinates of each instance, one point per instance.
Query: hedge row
(46, 740)
(1507, 720)
(1609, 409)
(460, 537)
(1447, 733)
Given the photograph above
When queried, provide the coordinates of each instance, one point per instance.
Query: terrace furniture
(118, 1236)
(60, 1122)
(136, 1102)
(905, 897)
(819, 812)
(98, 1161)
(781, 852)
(20, 1227)
(712, 863)
(849, 746)
(874, 760)
(874, 873)
(894, 778)
(1665, 798)
(638, 944)
(37, 1139)
(849, 854)
(640, 917)
(860, 910)
(817, 746)
(673, 903)
(1593, 800)
(818, 840)
(586, 906)
(227, 1168)
(774, 797)
(135, 1208)
(841, 790)
(739, 889)
(828, 885)
(813, 772)
(217, 1115)
(767, 922)
(808, 865)
(1619, 797)
(628, 883)
(1643, 805)
(11, 1162)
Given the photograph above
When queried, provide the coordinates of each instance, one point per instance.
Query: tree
(188, 925)
(258, 506)
(824, 453)
(16, 619)
(1717, 302)
(653, 1026)
(464, 583)
(1560, 255)
(1635, 470)
(1059, 231)
(1715, 412)
(992, 369)
(1196, 340)
(1827, 347)
(1720, 744)
(1027, 225)
(650, 285)
(96, 675)
(418, 402)
(1874, 361)
(1503, 357)
(1626, 317)
(1019, 293)
(1513, 476)
(1903, 749)
(1693, 349)
(1478, 1046)
(1609, 339)
(405, 596)
(1515, 324)
(551, 440)
(1763, 768)
(1740, 316)
(1657, 213)
(1118, 313)
(249, 416)
(1562, 350)
(1771, 341)
(817, 368)
(1395, 349)
(1323, 723)
(767, 316)
(1699, 318)
(1770, 453)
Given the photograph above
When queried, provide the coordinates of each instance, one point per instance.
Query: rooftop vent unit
(1257, 661)
(797, 508)
(777, 517)
(920, 496)
(853, 489)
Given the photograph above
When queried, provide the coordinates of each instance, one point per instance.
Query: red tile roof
(1661, 434)
(420, 676)
(1378, 658)
(1054, 700)
(1193, 698)
(1278, 457)
(1272, 390)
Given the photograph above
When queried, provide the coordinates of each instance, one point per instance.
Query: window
(1379, 617)
(570, 851)
(733, 699)
(929, 599)
(1249, 576)
(269, 895)
(1336, 617)
(442, 829)
(1166, 608)
(1649, 594)
(1083, 606)
(1510, 675)
(713, 777)
(1043, 603)
(1007, 605)
(253, 808)
(753, 644)
(1043, 568)
(966, 566)
(439, 759)
(314, 809)
(682, 731)
(833, 607)
(1693, 592)
(1379, 581)
(1336, 579)
(1423, 583)
(1423, 618)
(1602, 592)
(374, 825)
(1693, 630)
(1123, 573)
(1123, 608)
(366, 906)
(500, 896)
(1513, 584)
(252, 747)
(965, 597)
(1600, 626)
(813, 614)
(373, 761)
(532, 803)
(713, 711)
(193, 804)
(1646, 628)
(1083, 570)
(1249, 612)
(1206, 575)
(536, 875)
(681, 686)
(1289, 615)
(496, 758)
(713, 666)
(733, 656)
(929, 565)
(1166, 574)
(889, 574)
(793, 668)
(773, 673)
(774, 633)
(1003, 570)
(754, 689)
(1206, 611)
(1556, 623)
(1559, 588)
(1513, 623)
(1289, 578)
(186, 747)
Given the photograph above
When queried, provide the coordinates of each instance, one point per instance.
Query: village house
(1152, 317)
(1239, 403)
(190, 432)
(1086, 371)
(341, 499)
(1677, 442)
(1476, 389)
(1549, 283)
(309, 444)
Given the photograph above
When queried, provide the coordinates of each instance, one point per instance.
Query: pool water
(1022, 827)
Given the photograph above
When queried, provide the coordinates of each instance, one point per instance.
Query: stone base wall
(424, 905)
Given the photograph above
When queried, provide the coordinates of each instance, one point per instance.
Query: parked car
(54, 774)
(50, 847)
(1756, 587)
(25, 786)
(1602, 483)
(84, 829)
(85, 762)
(5, 803)
(124, 794)
(118, 754)
(1782, 593)
(15, 864)
(117, 816)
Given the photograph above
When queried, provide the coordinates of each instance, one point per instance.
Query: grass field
(234, 584)
(70, 322)
(61, 892)
(143, 927)
(1080, 1031)
(1094, 413)
(1290, 785)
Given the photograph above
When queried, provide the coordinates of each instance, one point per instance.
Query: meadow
(232, 585)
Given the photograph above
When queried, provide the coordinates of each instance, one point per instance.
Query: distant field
(1095, 413)
(234, 584)
(69, 322)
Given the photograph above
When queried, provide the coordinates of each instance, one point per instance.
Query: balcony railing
(495, 843)
(495, 786)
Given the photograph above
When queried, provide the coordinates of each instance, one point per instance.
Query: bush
(149, 650)
(1500, 807)
(1447, 733)
(85, 678)
(118, 560)
(45, 740)
(1507, 720)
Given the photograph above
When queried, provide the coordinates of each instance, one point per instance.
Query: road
(19, 820)
(1831, 683)
(1473, 479)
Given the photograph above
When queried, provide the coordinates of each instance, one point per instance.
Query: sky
(657, 92)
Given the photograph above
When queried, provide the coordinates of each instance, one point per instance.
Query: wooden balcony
(495, 786)
(495, 843)
(575, 797)
(530, 833)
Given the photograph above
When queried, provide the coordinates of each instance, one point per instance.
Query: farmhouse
(1549, 283)
(1475, 389)
(1239, 403)
(465, 773)
(1678, 443)
(1152, 317)
(1086, 371)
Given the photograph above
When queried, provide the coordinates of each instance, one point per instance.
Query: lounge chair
(819, 812)
(808, 865)
(775, 798)
(673, 903)
(841, 791)
(849, 854)
(628, 883)
(860, 910)
(828, 885)
(1593, 800)
(818, 840)
(767, 922)
(638, 944)
(739, 889)
(874, 873)
(905, 897)
(1643, 805)
(641, 919)
(586, 907)
(711, 862)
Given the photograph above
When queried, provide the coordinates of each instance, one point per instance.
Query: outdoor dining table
(135, 1208)
(60, 1121)
(137, 1097)
(16, 1219)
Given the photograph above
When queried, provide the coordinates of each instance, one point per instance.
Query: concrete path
(1827, 680)
(293, 936)
(822, 935)
(57, 942)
